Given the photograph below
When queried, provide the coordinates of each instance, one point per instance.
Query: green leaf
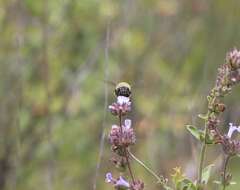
(206, 173)
(209, 98)
(203, 116)
(191, 187)
(209, 139)
(195, 132)
(233, 183)
(199, 134)
(167, 187)
(186, 184)
(217, 182)
(220, 183)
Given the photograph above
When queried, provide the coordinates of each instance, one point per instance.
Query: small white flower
(127, 123)
(123, 100)
(231, 130)
(110, 107)
(114, 126)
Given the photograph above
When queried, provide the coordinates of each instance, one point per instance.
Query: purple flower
(231, 146)
(122, 106)
(122, 137)
(109, 178)
(122, 183)
(119, 183)
(127, 123)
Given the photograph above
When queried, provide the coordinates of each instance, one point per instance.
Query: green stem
(202, 158)
(225, 171)
(159, 179)
(203, 148)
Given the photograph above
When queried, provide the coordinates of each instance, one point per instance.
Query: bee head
(123, 89)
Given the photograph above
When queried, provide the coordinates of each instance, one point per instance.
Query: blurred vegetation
(53, 60)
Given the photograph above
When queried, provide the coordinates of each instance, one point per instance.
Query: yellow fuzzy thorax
(123, 84)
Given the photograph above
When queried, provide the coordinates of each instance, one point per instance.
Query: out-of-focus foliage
(53, 60)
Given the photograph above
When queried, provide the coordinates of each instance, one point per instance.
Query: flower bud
(120, 163)
(217, 107)
(137, 185)
(212, 123)
(235, 76)
(220, 107)
(233, 59)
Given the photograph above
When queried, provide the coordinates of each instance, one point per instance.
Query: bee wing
(110, 82)
(139, 83)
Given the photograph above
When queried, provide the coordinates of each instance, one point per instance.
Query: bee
(123, 89)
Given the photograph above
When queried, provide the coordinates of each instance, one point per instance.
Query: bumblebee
(123, 89)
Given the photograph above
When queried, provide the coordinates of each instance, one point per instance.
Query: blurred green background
(54, 57)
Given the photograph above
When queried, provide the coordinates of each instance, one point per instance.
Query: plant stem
(125, 149)
(160, 179)
(120, 124)
(144, 166)
(225, 171)
(204, 146)
(202, 157)
(129, 166)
